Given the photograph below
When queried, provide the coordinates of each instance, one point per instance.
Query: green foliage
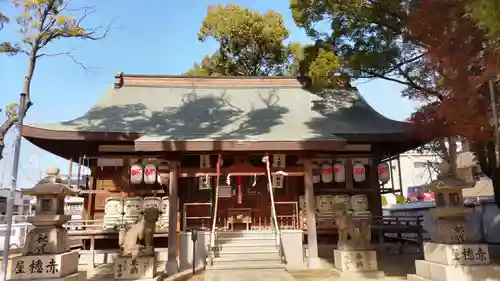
(12, 110)
(384, 201)
(369, 37)
(250, 43)
(253, 44)
(487, 14)
(400, 199)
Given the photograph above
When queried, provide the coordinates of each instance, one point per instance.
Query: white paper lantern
(339, 172)
(359, 172)
(359, 202)
(383, 172)
(324, 203)
(326, 173)
(163, 172)
(316, 174)
(149, 173)
(164, 205)
(152, 202)
(132, 206)
(113, 206)
(204, 182)
(136, 173)
(277, 181)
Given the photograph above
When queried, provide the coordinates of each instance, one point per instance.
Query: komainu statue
(354, 233)
(144, 230)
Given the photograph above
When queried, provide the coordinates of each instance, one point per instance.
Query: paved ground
(248, 275)
(396, 267)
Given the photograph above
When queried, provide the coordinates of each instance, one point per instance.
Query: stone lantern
(453, 253)
(450, 213)
(46, 254)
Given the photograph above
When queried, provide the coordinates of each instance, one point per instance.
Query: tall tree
(372, 41)
(466, 59)
(254, 44)
(250, 43)
(370, 38)
(444, 51)
(40, 23)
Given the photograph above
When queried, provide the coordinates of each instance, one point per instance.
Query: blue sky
(159, 37)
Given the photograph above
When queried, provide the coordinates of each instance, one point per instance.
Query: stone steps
(245, 266)
(246, 250)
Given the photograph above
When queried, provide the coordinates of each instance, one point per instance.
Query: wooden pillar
(172, 266)
(349, 180)
(312, 237)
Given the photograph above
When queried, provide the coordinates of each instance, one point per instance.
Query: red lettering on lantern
(381, 170)
(135, 172)
(336, 170)
(149, 172)
(359, 171)
(327, 171)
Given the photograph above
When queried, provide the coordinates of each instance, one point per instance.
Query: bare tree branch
(43, 22)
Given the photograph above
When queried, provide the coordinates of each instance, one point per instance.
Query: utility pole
(12, 195)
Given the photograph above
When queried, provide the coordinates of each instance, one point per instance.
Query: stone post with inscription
(46, 254)
(453, 253)
(137, 261)
(354, 256)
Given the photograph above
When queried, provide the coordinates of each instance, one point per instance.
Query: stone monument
(46, 254)
(137, 261)
(453, 253)
(354, 256)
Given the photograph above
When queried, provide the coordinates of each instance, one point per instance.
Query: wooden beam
(236, 171)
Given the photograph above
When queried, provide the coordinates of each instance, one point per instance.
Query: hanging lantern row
(149, 174)
(331, 173)
(337, 173)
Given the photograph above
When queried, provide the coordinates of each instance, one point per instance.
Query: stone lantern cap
(51, 185)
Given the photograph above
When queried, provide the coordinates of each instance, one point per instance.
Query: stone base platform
(79, 276)
(447, 262)
(143, 268)
(456, 254)
(426, 271)
(47, 267)
(356, 264)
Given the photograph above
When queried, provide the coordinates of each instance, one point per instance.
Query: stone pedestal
(46, 255)
(142, 268)
(47, 267)
(464, 262)
(357, 264)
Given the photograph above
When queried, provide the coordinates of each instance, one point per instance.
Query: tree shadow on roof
(345, 112)
(198, 116)
(260, 120)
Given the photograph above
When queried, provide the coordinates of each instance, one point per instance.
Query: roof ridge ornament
(118, 80)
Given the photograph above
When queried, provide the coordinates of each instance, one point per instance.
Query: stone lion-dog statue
(354, 233)
(129, 240)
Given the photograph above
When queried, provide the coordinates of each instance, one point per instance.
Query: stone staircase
(252, 249)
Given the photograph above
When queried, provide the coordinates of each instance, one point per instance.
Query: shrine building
(227, 154)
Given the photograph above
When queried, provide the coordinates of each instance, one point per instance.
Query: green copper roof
(231, 113)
